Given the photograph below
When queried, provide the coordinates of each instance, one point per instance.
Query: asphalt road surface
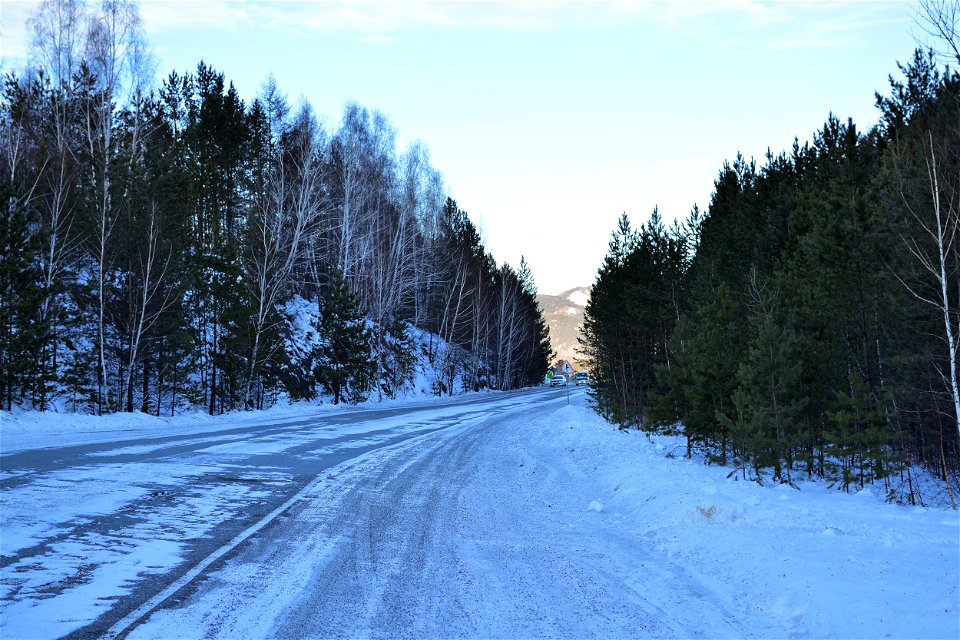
(87, 529)
(453, 519)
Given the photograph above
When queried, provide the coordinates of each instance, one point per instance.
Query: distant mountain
(564, 315)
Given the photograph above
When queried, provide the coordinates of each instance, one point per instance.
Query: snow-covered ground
(812, 563)
(535, 518)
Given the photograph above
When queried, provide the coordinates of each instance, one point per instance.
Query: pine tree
(857, 437)
(698, 388)
(538, 354)
(345, 364)
(602, 338)
(769, 397)
(630, 318)
(397, 359)
(23, 365)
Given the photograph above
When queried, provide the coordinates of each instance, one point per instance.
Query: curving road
(92, 531)
(454, 519)
(477, 531)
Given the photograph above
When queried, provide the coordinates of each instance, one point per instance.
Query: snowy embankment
(815, 562)
(23, 430)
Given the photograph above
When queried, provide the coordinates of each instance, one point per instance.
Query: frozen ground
(524, 517)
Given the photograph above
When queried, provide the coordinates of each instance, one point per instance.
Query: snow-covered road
(499, 515)
(468, 533)
(93, 530)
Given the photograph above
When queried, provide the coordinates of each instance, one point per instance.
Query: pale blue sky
(549, 119)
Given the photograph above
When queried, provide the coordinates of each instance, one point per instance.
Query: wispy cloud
(771, 26)
(779, 25)
(382, 17)
(285, 15)
(379, 16)
(161, 15)
(837, 25)
(14, 38)
(703, 16)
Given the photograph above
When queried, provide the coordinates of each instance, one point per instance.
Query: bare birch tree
(421, 200)
(941, 20)
(58, 36)
(287, 216)
(933, 246)
(149, 298)
(58, 39)
(933, 201)
(352, 187)
(118, 64)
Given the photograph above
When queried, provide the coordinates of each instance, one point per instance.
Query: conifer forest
(180, 246)
(806, 323)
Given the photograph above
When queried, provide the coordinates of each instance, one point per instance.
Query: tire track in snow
(362, 466)
(476, 531)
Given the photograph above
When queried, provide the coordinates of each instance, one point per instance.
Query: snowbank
(816, 562)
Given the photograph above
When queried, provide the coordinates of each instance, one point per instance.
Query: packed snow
(521, 521)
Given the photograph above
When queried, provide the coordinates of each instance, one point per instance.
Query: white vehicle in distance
(581, 377)
(558, 380)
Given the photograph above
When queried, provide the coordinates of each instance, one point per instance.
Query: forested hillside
(563, 314)
(176, 246)
(806, 323)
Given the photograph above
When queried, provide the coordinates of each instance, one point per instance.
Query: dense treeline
(177, 247)
(807, 322)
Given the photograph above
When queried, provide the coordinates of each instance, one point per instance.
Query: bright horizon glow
(548, 120)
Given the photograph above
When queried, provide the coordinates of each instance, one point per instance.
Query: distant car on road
(581, 377)
(558, 381)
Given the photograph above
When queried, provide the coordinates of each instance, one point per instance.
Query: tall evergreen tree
(23, 366)
(345, 365)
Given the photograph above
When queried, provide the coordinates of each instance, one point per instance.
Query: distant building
(563, 368)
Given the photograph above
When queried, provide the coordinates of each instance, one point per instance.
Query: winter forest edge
(806, 324)
(178, 247)
(173, 247)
